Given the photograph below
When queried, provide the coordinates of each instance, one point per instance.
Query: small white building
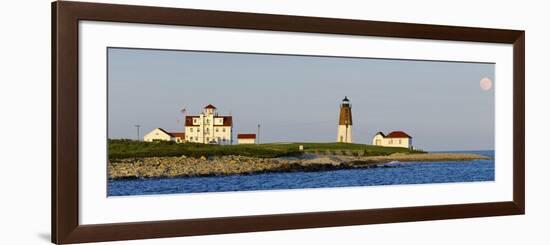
(178, 137)
(159, 134)
(209, 127)
(246, 139)
(393, 139)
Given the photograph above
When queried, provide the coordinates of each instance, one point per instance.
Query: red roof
(189, 120)
(246, 136)
(398, 134)
(209, 106)
(227, 121)
(177, 134)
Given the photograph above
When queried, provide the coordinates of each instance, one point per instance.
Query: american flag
(183, 111)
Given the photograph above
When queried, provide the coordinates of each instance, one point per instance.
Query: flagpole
(184, 112)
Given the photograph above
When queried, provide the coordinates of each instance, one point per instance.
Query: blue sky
(296, 98)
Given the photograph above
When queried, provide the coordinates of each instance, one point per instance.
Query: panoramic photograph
(204, 121)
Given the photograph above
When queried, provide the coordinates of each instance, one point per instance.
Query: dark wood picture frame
(65, 101)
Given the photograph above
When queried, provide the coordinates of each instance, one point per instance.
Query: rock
(222, 165)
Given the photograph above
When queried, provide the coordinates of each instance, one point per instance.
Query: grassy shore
(120, 149)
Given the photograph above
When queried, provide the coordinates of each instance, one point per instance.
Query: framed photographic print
(175, 122)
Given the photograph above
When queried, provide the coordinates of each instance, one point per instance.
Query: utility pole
(258, 133)
(137, 127)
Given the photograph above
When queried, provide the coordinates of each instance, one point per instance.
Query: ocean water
(394, 174)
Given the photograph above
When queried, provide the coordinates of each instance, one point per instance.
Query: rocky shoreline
(183, 166)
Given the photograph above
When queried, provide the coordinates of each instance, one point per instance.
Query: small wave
(391, 164)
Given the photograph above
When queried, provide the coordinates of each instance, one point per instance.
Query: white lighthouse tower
(345, 122)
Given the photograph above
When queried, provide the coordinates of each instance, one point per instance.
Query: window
(217, 130)
(399, 141)
(223, 130)
(391, 141)
(194, 121)
(191, 130)
(196, 138)
(198, 130)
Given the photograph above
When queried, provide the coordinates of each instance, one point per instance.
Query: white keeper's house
(209, 127)
(393, 139)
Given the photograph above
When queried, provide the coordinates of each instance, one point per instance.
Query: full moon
(485, 84)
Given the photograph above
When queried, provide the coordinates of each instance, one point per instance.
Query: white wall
(25, 98)
(344, 134)
(156, 134)
(246, 141)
